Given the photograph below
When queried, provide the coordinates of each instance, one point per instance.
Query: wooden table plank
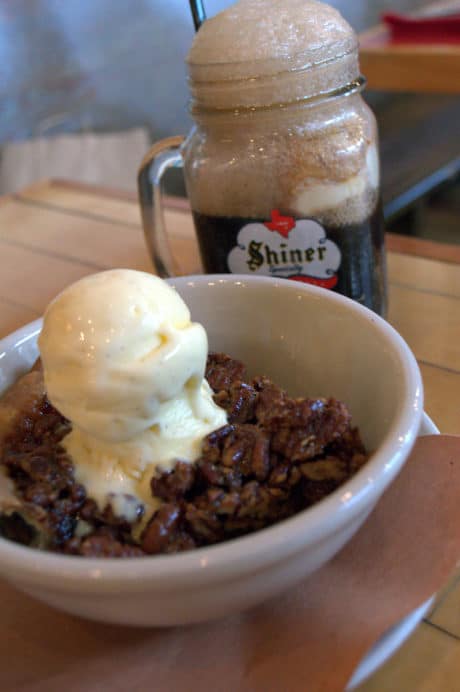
(94, 242)
(95, 201)
(84, 200)
(419, 247)
(427, 662)
(425, 275)
(442, 397)
(429, 69)
(429, 323)
(39, 278)
(413, 67)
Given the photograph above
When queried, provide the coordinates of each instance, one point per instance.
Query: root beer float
(282, 166)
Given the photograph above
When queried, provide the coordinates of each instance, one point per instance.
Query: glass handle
(163, 155)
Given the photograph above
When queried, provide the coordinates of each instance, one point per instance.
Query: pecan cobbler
(275, 457)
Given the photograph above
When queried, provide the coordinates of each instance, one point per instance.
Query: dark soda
(357, 266)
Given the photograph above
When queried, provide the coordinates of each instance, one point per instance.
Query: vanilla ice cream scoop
(114, 347)
(125, 364)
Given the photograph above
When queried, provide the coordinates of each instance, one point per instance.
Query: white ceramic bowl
(312, 342)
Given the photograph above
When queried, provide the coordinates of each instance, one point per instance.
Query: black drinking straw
(198, 13)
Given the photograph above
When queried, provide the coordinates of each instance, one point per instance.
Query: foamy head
(258, 40)
(254, 69)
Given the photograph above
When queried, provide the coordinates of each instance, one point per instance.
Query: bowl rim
(270, 545)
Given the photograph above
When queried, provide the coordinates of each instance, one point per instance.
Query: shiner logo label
(287, 248)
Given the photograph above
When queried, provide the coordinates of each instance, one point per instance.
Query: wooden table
(410, 66)
(55, 232)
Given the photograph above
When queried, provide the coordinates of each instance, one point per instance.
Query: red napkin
(423, 29)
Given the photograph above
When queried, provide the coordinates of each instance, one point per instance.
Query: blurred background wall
(105, 65)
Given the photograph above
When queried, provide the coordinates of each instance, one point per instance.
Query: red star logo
(280, 224)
